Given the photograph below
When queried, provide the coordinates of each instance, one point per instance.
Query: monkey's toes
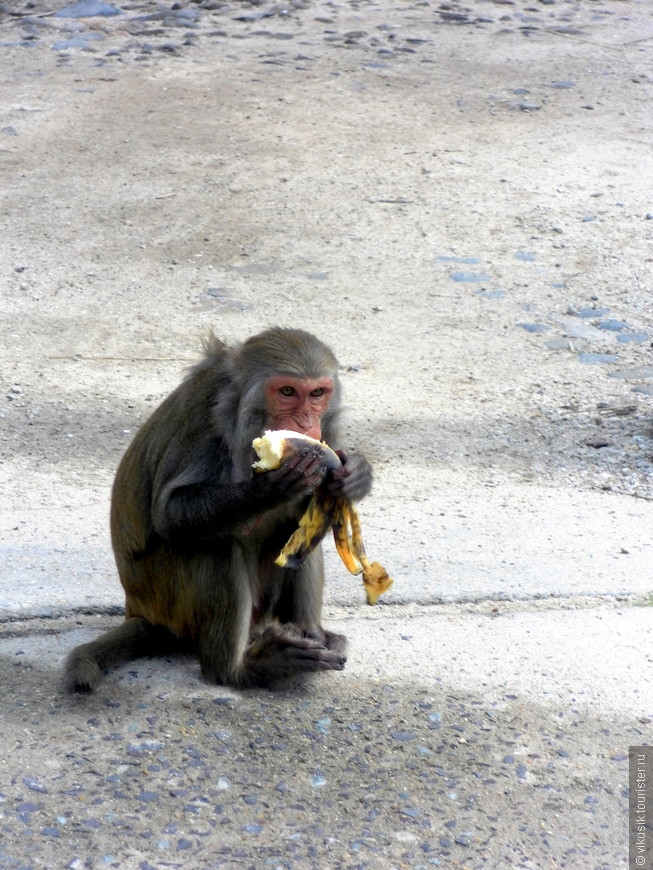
(339, 661)
(81, 676)
(328, 660)
(335, 642)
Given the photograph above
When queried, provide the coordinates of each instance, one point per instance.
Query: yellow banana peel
(313, 526)
(324, 512)
(349, 544)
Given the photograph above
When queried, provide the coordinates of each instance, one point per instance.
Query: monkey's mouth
(310, 428)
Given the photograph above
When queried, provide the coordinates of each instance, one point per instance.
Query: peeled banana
(324, 512)
(276, 445)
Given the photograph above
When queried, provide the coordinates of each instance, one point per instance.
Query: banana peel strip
(313, 526)
(324, 512)
(349, 544)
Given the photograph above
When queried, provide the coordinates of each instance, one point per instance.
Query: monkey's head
(292, 378)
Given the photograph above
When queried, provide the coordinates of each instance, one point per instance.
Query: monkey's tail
(134, 638)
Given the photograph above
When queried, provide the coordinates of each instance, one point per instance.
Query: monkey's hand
(353, 480)
(294, 464)
(298, 477)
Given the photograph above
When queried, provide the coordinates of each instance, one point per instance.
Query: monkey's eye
(317, 393)
(287, 391)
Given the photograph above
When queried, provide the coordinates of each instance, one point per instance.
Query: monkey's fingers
(301, 473)
(354, 480)
(313, 526)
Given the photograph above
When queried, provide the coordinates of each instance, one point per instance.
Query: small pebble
(34, 785)
(633, 337)
(612, 325)
(636, 373)
(490, 294)
(402, 736)
(597, 358)
(87, 9)
(470, 261)
(469, 277)
(534, 327)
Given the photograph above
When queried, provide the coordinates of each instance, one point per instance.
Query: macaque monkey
(195, 531)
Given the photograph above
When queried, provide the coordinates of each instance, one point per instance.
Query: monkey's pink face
(297, 403)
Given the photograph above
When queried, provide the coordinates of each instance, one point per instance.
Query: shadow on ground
(159, 769)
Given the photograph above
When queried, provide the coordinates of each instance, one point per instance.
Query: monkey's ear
(213, 346)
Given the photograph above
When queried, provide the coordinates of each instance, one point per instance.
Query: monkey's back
(153, 578)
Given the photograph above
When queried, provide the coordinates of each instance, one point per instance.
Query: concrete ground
(456, 197)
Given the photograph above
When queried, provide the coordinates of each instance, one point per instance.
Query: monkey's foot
(284, 650)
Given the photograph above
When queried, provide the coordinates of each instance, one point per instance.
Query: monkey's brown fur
(195, 532)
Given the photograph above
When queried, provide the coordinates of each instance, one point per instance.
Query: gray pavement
(446, 191)
(456, 737)
(594, 544)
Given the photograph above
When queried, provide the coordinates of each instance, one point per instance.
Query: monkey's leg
(222, 588)
(134, 638)
(301, 602)
(225, 590)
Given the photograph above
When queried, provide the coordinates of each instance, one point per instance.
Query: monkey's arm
(193, 506)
